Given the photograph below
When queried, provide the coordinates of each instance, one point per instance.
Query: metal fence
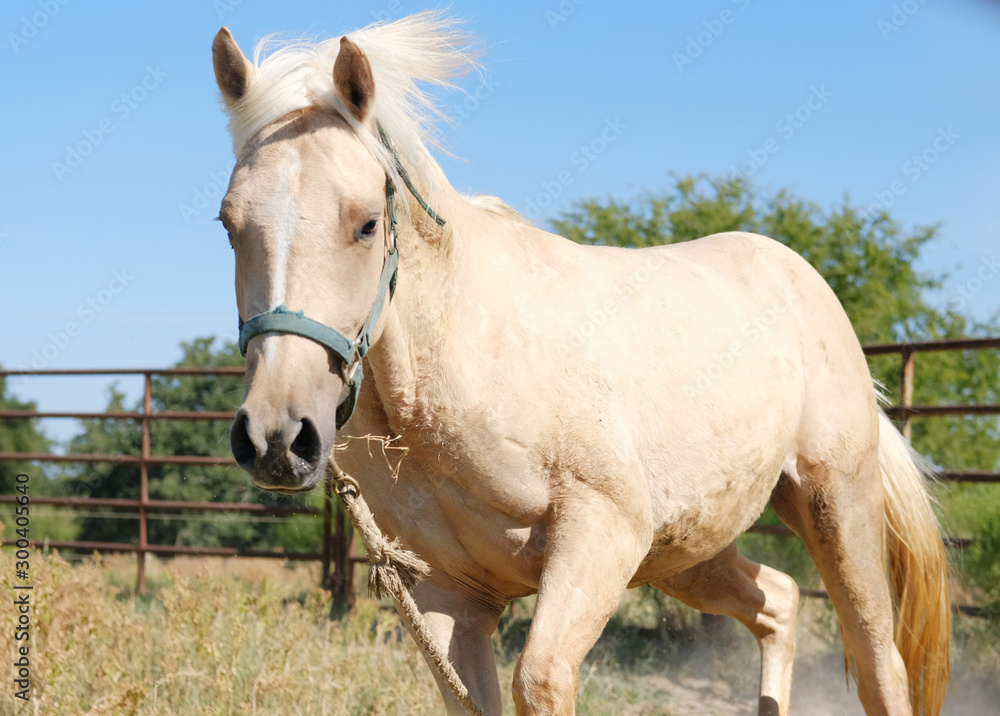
(336, 553)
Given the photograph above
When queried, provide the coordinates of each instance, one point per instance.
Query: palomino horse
(573, 420)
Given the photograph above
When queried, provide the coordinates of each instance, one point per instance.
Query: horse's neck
(419, 340)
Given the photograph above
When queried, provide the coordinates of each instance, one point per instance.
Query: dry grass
(211, 640)
(242, 636)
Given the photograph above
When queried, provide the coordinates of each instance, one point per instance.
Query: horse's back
(735, 307)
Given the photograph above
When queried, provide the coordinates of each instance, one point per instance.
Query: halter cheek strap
(350, 352)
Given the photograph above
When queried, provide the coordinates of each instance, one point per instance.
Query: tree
(18, 436)
(26, 436)
(182, 482)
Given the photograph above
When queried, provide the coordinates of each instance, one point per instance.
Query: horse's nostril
(244, 450)
(306, 445)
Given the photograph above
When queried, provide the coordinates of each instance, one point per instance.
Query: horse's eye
(369, 228)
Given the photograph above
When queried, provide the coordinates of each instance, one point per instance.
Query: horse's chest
(476, 514)
(475, 466)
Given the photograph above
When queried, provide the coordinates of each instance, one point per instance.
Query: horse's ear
(352, 76)
(233, 70)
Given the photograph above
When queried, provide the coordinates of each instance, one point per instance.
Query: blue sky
(894, 102)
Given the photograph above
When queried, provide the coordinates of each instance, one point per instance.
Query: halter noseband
(350, 352)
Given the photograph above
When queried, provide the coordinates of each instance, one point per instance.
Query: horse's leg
(461, 625)
(590, 556)
(839, 515)
(764, 600)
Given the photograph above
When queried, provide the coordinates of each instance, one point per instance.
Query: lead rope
(395, 570)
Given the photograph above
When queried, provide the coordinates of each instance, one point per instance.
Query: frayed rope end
(398, 569)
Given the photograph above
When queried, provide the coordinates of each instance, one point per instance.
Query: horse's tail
(919, 574)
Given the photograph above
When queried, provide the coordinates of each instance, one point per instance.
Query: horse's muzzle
(286, 458)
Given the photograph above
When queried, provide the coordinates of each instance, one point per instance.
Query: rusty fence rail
(336, 551)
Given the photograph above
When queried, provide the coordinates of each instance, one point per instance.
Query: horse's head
(307, 218)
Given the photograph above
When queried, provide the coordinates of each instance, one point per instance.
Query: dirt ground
(704, 675)
(819, 688)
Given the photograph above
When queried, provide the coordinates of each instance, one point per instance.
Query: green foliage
(982, 563)
(788, 555)
(26, 436)
(18, 436)
(182, 482)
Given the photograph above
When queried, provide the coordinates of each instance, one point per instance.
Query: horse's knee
(544, 686)
(776, 620)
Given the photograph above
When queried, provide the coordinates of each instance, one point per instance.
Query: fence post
(906, 389)
(325, 582)
(147, 409)
(341, 584)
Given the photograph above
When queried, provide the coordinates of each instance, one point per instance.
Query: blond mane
(425, 49)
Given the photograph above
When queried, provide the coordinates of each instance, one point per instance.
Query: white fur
(283, 220)
(283, 226)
